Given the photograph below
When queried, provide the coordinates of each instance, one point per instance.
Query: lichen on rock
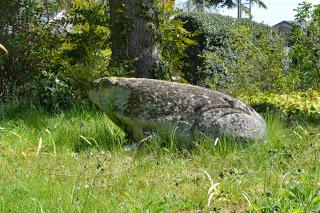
(145, 105)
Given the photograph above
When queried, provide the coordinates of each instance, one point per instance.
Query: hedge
(305, 104)
(219, 49)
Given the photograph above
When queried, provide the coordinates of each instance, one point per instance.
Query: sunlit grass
(75, 162)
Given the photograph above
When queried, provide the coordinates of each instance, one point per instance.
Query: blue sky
(278, 10)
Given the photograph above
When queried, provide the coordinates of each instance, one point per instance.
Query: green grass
(75, 162)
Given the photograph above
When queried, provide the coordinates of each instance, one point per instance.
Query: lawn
(76, 161)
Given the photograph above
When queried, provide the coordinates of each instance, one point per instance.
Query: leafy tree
(305, 53)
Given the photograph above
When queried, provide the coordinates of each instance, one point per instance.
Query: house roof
(301, 24)
(284, 22)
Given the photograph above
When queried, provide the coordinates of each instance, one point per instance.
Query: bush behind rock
(233, 55)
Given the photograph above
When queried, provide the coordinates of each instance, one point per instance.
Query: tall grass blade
(248, 199)
(86, 140)
(3, 48)
(39, 146)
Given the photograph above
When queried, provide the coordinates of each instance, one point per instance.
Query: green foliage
(305, 53)
(89, 33)
(84, 54)
(174, 39)
(73, 49)
(255, 65)
(48, 91)
(297, 103)
(28, 35)
(233, 55)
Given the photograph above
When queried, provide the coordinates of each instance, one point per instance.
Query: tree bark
(134, 29)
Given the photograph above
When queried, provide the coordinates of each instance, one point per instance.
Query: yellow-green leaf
(3, 48)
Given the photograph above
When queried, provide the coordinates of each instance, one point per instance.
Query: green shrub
(27, 34)
(174, 40)
(233, 55)
(44, 50)
(305, 52)
(296, 103)
(49, 92)
(84, 54)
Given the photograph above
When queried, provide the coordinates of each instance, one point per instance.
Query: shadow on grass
(80, 128)
(20, 111)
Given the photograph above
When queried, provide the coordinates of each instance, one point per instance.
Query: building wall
(284, 29)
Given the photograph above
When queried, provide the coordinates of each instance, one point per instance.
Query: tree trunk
(239, 6)
(134, 29)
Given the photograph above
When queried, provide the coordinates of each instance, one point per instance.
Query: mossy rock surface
(142, 106)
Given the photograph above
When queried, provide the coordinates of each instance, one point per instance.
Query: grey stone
(146, 106)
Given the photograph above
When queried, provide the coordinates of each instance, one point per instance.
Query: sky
(277, 11)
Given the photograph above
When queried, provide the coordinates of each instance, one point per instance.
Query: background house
(284, 29)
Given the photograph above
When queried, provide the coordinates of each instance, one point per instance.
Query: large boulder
(142, 106)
